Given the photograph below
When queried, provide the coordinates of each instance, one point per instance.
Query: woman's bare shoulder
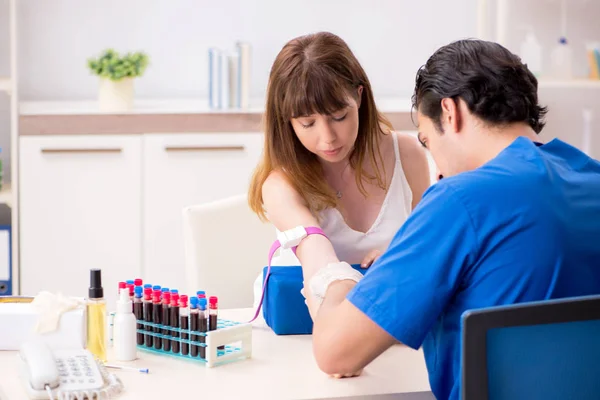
(278, 190)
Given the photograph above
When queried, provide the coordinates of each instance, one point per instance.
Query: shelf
(174, 106)
(6, 195)
(569, 84)
(5, 84)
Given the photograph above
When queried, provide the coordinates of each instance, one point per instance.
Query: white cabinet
(80, 208)
(186, 169)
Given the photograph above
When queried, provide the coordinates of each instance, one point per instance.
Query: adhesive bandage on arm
(339, 271)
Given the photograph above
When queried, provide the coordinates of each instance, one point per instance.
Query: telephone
(49, 374)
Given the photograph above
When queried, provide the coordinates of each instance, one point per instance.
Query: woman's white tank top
(352, 246)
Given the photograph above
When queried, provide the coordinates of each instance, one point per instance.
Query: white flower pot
(115, 96)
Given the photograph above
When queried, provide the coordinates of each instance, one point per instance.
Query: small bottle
(561, 60)
(531, 53)
(125, 330)
(96, 316)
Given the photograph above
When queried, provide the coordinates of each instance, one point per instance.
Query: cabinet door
(182, 170)
(80, 208)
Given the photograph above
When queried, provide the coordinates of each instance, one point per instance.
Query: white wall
(4, 99)
(388, 36)
(391, 38)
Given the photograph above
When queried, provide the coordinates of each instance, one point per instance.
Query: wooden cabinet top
(163, 116)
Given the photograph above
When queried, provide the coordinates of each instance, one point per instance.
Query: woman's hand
(370, 258)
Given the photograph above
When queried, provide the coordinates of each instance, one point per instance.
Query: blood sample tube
(202, 324)
(184, 323)
(213, 305)
(174, 320)
(156, 317)
(148, 315)
(166, 320)
(122, 285)
(138, 311)
(194, 325)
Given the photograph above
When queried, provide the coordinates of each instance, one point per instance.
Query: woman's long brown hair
(315, 74)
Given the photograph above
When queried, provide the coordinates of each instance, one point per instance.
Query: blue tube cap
(138, 291)
(174, 291)
(156, 287)
(130, 282)
(202, 303)
(148, 285)
(165, 289)
(194, 302)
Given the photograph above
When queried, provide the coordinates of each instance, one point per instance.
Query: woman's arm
(415, 165)
(286, 209)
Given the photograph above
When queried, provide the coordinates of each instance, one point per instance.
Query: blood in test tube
(194, 325)
(184, 324)
(174, 319)
(156, 317)
(166, 320)
(138, 311)
(202, 325)
(213, 306)
(148, 315)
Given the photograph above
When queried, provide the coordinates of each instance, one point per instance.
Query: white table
(281, 367)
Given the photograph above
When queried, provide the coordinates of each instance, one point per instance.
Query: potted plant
(116, 74)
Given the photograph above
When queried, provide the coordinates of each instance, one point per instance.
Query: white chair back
(226, 246)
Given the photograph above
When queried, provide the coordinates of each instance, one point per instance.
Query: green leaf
(110, 64)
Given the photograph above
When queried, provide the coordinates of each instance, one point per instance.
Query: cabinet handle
(100, 150)
(205, 148)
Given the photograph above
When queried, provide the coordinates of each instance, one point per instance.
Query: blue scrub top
(525, 226)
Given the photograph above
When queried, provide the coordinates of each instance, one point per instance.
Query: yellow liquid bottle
(96, 327)
(96, 317)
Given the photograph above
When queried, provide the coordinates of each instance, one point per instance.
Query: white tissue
(50, 307)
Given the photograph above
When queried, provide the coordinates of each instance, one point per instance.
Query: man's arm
(344, 339)
(403, 293)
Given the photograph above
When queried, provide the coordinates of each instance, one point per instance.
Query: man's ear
(359, 100)
(450, 118)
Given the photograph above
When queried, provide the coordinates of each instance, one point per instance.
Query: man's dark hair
(494, 83)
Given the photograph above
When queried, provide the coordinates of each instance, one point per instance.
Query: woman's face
(330, 137)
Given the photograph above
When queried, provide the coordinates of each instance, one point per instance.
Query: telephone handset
(47, 372)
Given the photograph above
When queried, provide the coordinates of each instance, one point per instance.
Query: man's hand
(370, 258)
(340, 376)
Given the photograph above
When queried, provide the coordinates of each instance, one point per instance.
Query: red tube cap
(213, 302)
(183, 300)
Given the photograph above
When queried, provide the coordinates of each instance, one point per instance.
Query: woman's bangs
(314, 93)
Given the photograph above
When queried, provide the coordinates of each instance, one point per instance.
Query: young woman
(331, 159)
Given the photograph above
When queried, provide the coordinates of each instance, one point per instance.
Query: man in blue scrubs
(513, 220)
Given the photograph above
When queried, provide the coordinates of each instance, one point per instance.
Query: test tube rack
(234, 338)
